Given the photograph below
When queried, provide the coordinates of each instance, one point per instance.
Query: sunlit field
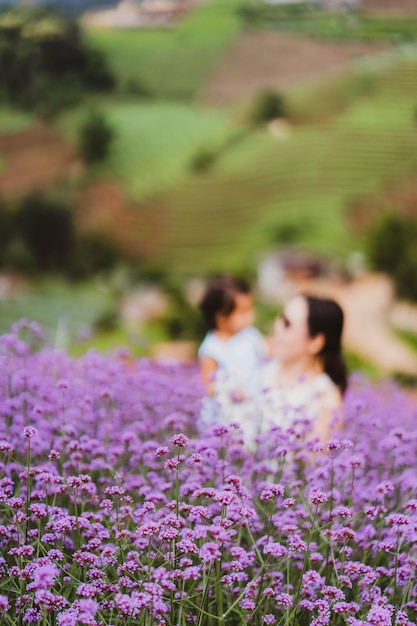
(306, 180)
(154, 141)
(171, 63)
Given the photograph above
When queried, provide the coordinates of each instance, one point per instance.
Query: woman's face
(291, 337)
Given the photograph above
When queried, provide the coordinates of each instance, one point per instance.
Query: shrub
(95, 253)
(182, 320)
(46, 227)
(109, 320)
(95, 137)
(266, 106)
(203, 160)
(45, 63)
(134, 87)
(7, 228)
(391, 249)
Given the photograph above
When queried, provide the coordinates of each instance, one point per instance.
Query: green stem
(306, 557)
(219, 594)
(395, 572)
(204, 598)
(177, 492)
(28, 482)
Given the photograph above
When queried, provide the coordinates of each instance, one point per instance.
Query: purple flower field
(116, 509)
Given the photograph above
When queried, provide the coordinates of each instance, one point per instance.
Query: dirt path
(397, 7)
(138, 230)
(270, 60)
(370, 312)
(35, 159)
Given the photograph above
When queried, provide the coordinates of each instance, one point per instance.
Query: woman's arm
(330, 406)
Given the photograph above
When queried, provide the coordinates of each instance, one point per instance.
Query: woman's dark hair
(326, 317)
(220, 297)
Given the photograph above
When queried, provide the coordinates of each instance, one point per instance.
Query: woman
(309, 376)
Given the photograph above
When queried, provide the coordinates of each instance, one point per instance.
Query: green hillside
(58, 308)
(348, 136)
(261, 190)
(313, 21)
(12, 120)
(304, 184)
(171, 63)
(154, 141)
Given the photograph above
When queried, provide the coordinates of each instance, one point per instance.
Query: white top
(240, 363)
(282, 406)
(239, 360)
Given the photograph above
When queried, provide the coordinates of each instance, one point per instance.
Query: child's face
(241, 317)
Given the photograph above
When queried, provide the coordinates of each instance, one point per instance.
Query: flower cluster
(117, 507)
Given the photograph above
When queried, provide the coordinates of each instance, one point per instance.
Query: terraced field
(103, 207)
(34, 159)
(306, 182)
(397, 7)
(273, 60)
(154, 142)
(62, 311)
(171, 63)
(12, 121)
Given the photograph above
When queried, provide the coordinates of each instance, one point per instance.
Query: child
(232, 352)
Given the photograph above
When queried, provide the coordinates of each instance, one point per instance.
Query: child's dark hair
(220, 297)
(326, 316)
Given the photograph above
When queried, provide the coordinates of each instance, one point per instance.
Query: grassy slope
(173, 63)
(12, 121)
(154, 142)
(260, 185)
(308, 180)
(50, 301)
(340, 26)
(222, 219)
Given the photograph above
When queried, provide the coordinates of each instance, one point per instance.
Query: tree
(392, 250)
(95, 137)
(46, 227)
(267, 105)
(44, 60)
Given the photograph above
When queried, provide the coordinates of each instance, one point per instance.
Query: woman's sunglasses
(285, 320)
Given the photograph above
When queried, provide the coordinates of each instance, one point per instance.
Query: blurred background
(147, 145)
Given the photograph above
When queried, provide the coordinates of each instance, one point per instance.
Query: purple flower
(275, 549)
(44, 576)
(29, 432)
(32, 616)
(161, 451)
(209, 552)
(248, 605)
(6, 447)
(317, 497)
(180, 440)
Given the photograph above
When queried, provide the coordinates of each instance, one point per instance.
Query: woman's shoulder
(323, 382)
(328, 392)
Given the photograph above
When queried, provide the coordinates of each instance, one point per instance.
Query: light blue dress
(240, 362)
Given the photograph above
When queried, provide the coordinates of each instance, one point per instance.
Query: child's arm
(208, 366)
(269, 346)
